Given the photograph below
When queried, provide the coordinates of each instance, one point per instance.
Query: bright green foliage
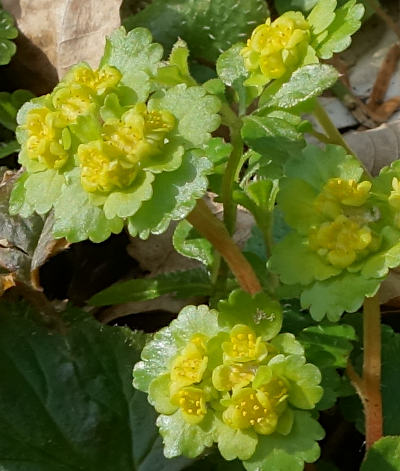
(345, 234)
(306, 82)
(7, 32)
(275, 50)
(332, 29)
(188, 242)
(68, 402)
(209, 27)
(230, 378)
(101, 153)
(383, 455)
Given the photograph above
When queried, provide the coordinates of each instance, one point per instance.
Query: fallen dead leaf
(56, 34)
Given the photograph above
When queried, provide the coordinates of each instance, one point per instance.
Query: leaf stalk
(214, 231)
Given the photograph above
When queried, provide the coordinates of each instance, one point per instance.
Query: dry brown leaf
(376, 147)
(56, 34)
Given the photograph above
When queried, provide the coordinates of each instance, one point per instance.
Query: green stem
(332, 132)
(232, 167)
(330, 129)
(372, 370)
(214, 231)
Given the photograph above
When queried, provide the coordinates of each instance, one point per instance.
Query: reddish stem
(372, 370)
(214, 231)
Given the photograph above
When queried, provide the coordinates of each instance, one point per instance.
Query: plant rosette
(276, 49)
(111, 146)
(344, 233)
(230, 378)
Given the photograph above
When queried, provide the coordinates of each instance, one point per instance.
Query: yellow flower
(139, 133)
(98, 80)
(189, 367)
(233, 376)
(244, 345)
(103, 170)
(46, 142)
(72, 101)
(192, 403)
(340, 241)
(338, 191)
(251, 408)
(275, 48)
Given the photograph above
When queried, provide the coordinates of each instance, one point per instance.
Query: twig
(382, 81)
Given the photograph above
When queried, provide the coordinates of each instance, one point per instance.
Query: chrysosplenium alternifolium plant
(229, 377)
(129, 144)
(111, 146)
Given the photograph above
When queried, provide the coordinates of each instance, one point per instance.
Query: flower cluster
(107, 137)
(276, 48)
(218, 377)
(121, 145)
(345, 227)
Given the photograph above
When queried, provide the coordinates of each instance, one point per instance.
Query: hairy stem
(214, 231)
(232, 167)
(372, 370)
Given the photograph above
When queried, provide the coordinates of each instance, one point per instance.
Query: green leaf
(208, 27)
(282, 453)
(295, 263)
(42, 190)
(316, 166)
(328, 347)
(68, 402)
(260, 312)
(274, 138)
(338, 35)
(232, 71)
(217, 150)
(135, 56)
(384, 455)
(10, 103)
(188, 242)
(77, 219)
(235, 443)
(195, 110)
(332, 297)
(181, 438)
(305, 83)
(322, 15)
(126, 202)
(185, 185)
(8, 148)
(182, 284)
(336, 340)
(7, 32)
(177, 71)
